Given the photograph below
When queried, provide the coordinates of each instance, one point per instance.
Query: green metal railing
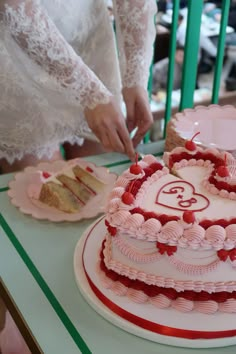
(191, 50)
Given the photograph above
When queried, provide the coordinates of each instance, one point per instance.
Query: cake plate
(25, 188)
(165, 326)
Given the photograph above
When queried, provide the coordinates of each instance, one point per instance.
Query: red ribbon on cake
(149, 325)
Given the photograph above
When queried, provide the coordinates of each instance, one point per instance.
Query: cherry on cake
(70, 189)
(171, 232)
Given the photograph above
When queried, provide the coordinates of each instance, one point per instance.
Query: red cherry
(190, 145)
(188, 217)
(46, 175)
(223, 171)
(127, 198)
(135, 169)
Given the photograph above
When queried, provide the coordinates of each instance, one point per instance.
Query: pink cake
(171, 232)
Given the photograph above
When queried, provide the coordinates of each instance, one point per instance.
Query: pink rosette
(208, 307)
(224, 194)
(120, 217)
(137, 296)
(212, 189)
(133, 222)
(194, 235)
(232, 195)
(216, 235)
(171, 231)
(229, 306)
(114, 205)
(160, 301)
(182, 305)
(200, 163)
(116, 193)
(130, 176)
(121, 182)
(119, 288)
(151, 227)
(193, 162)
(231, 232)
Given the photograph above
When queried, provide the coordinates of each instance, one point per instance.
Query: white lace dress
(58, 57)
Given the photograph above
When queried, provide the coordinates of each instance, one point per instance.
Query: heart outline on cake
(186, 197)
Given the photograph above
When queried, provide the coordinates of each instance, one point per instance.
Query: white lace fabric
(52, 69)
(136, 33)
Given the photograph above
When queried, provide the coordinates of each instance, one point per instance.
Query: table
(36, 265)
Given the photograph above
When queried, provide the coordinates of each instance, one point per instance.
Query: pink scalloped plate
(24, 191)
(216, 124)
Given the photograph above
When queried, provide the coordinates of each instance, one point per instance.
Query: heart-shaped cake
(171, 232)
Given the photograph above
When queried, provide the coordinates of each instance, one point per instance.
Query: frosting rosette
(216, 235)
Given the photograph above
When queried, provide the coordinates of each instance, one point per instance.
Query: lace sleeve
(136, 33)
(33, 30)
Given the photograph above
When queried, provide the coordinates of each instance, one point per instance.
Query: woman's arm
(35, 33)
(135, 34)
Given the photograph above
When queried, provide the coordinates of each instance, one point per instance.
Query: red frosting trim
(111, 229)
(164, 218)
(172, 294)
(218, 162)
(163, 248)
(224, 254)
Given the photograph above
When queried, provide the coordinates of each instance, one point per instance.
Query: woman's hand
(108, 124)
(138, 112)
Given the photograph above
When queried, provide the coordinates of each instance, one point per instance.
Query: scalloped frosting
(204, 234)
(161, 301)
(166, 282)
(204, 299)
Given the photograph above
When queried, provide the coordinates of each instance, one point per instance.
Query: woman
(60, 76)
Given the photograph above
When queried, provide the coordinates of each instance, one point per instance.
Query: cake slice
(76, 187)
(88, 179)
(57, 196)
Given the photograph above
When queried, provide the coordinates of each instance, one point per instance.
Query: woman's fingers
(108, 124)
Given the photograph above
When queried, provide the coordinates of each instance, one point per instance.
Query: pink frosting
(161, 301)
(174, 233)
(114, 203)
(152, 279)
(130, 176)
(134, 254)
(133, 222)
(182, 305)
(120, 217)
(194, 235)
(207, 307)
(229, 306)
(193, 269)
(231, 232)
(151, 227)
(171, 231)
(137, 296)
(118, 288)
(216, 235)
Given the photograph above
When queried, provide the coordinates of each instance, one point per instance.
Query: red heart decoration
(181, 195)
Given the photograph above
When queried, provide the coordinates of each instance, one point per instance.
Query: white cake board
(85, 259)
